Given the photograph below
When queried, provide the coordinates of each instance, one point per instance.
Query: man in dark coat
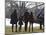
(31, 21)
(41, 21)
(40, 18)
(26, 14)
(20, 23)
(14, 20)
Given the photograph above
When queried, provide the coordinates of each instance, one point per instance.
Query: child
(20, 23)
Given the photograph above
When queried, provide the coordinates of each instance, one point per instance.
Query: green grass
(8, 30)
(37, 29)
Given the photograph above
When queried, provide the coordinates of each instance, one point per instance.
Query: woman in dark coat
(20, 23)
(14, 20)
(31, 21)
(26, 14)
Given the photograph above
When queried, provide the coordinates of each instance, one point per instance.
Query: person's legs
(29, 26)
(32, 26)
(20, 28)
(12, 27)
(16, 27)
(25, 26)
(43, 27)
(40, 26)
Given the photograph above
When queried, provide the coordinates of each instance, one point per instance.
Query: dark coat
(31, 17)
(41, 20)
(20, 21)
(26, 14)
(14, 18)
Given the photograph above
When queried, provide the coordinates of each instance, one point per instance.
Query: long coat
(14, 18)
(26, 14)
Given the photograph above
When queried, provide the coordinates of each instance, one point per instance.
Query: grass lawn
(8, 30)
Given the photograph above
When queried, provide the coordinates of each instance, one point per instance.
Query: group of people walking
(26, 17)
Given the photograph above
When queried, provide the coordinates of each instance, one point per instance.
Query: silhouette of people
(14, 20)
(20, 23)
(41, 18)
(31, 21)
(40, 22)
(26, 14)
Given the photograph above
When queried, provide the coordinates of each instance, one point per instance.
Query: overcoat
(26, 14)
(14, 18)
